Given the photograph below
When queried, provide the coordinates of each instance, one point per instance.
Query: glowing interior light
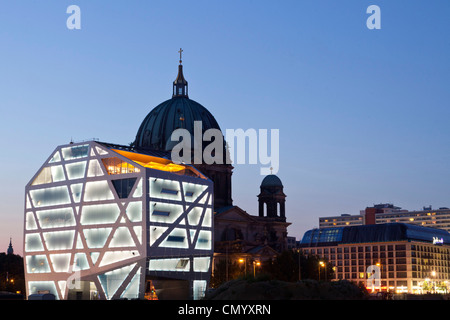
(121, 238)
(94, 169)
(96, 237)
(110, 281)
(60, 262)
(97, 190)
(33, 242)
(50, 196)
(202, 264)
(76, 170)
(37, 264)
(99, 214)
(59, 240)
(30, 223)
(75, 152)
(160, 164)
(56, 218)
(134, 211)
(111, 257)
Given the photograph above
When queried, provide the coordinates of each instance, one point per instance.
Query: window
(182, 263)
(116, 166)
(161, 213)
(123, 187)
(75, 152)
(175, 238)
(169, 191)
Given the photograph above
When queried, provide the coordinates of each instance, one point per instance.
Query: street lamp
(255, 264)
(244, 261)
(322, 264)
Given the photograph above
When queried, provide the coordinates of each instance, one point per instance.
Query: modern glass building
(407, 257)
(105, 222)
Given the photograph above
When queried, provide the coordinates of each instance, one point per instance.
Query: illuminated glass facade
(108, 223)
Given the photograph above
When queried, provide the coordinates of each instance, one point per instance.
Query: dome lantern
(180, 85)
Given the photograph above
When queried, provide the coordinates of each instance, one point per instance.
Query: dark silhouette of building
(272, 198)
(10, 247)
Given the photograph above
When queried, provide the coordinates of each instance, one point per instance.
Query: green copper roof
(179, 112)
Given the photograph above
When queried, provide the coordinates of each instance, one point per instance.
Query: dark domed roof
(178, 112)
(271, 181)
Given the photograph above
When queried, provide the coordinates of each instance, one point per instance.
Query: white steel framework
(103, 220)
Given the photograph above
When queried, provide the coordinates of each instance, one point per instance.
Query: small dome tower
(273, 197)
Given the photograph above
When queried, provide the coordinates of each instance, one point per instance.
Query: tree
(12, 277)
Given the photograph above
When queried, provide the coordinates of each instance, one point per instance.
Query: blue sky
(363, 114)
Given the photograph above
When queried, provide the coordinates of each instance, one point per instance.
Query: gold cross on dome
(180, 52)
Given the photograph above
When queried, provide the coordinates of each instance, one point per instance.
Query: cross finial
(180, 52)
(271, 170)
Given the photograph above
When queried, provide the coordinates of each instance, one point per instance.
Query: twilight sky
(363, 115)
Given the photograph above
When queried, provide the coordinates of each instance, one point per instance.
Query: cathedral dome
(271, 181)
(179, 112)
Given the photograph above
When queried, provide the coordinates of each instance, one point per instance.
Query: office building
(403, 257)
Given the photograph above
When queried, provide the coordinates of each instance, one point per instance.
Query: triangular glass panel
(94, 257)
(62, 287)
(192, 234)
(112, 280)
(194, 215)
(28, 202)
(123, 187)
(138, 192)
(79, 242)
(207, 218)
(56, 158)
(138, 232)
(132, 290)
(45, 176)
(94, 169)
(122, 238)
(155, 233)
(100, 151)
(30, 221)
